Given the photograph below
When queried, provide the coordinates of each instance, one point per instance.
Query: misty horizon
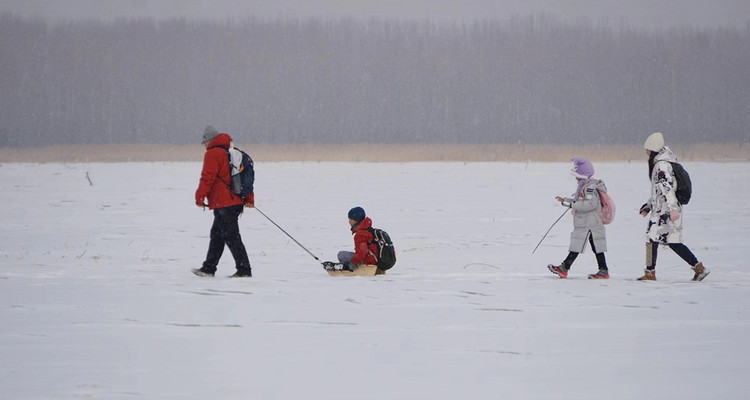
(286, 80)
(650, 14)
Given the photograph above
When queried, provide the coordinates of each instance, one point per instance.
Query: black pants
(601, 261)
(652, 249)
(226, 231)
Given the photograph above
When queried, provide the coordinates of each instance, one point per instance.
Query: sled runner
(362, 270)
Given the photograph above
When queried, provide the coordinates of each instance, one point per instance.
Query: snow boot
(649, 275)
(203, 272)
(601, 274)
(700, 272)
(560, 270)
(242, 273)
(331, 266)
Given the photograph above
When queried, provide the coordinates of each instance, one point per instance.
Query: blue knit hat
(357, 214)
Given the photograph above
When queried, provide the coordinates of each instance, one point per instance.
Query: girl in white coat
(587, 224)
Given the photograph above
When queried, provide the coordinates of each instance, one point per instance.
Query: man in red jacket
(227, 206)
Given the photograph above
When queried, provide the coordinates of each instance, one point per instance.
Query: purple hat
(582, 168)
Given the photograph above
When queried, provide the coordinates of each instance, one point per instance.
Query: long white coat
(586, 208)
(663, 200)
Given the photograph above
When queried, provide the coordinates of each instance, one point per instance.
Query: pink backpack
(608, 208)
(607, 214)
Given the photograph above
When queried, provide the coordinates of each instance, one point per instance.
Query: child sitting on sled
(364, 247)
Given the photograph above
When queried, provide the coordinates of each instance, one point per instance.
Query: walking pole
(550, 228)
(290, 236)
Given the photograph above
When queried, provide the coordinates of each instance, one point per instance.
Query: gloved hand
(645, 209)
(674, 215)
(250, 200)
(200, 202)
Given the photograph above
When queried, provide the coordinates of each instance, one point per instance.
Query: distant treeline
(521, 80)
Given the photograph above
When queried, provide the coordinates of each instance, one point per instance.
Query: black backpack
(242, 178)
(386, 252)
(684, 185)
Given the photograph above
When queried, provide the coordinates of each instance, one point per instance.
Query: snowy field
(97, 299)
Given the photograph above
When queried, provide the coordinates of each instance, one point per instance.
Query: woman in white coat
(664, 211)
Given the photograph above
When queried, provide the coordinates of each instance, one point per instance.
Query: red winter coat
(364, 253)
(214, 183)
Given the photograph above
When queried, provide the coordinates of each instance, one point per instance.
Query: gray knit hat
(209, 133)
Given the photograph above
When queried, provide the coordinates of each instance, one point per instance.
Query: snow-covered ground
(97, 299)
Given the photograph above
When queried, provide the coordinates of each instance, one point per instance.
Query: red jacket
(364, 252)
(215, 179)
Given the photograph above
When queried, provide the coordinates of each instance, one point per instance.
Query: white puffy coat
(663, 200)
(586, 208)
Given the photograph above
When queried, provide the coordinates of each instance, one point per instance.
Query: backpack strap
(229, 162)
(374, 240)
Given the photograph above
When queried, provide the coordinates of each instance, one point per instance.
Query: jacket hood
(666, 154)
(591, 183)
(597, 184)
(362, 225)
(221, 140)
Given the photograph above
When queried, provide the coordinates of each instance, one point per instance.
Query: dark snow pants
(652, 250)
(226, 231)
(601, 260)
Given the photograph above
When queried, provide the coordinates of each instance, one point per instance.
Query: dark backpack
(684, 185)
(241, 172)
(386, 252)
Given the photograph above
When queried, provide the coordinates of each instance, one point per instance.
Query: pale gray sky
(642, 13)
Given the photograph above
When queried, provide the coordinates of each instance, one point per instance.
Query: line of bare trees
(526, 79)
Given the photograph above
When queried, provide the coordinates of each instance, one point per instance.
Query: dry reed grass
(369, 153)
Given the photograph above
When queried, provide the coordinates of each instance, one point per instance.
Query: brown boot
(649, 275)
(700, 272)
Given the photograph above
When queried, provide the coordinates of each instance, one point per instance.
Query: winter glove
(674, 215)
(645, 209)
(200, 202)
(250, 200)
